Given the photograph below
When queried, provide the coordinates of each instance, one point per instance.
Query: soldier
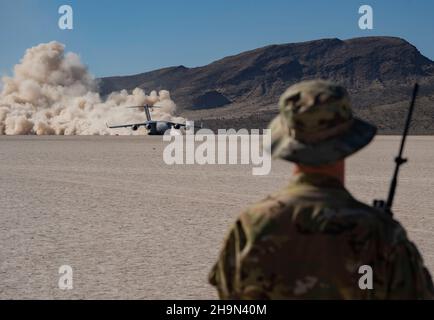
(310, 239)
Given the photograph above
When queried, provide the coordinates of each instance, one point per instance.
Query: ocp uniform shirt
(313, 240)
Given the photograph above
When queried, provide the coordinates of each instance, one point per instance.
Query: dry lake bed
(132, 227)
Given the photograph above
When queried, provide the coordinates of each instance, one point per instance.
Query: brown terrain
(242, 91)
(132, 227)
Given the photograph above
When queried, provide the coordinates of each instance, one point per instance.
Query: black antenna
(399, 160)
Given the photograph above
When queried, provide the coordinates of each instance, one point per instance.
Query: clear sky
(129, 36)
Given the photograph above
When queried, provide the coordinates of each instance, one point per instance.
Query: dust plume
(52, 92)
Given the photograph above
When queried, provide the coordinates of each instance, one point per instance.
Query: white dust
(52, 92)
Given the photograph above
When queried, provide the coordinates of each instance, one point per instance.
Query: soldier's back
(310, 240)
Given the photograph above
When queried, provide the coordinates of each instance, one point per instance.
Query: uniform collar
(317, 180)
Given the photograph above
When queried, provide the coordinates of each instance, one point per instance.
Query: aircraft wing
(144, 106)
(129, 125)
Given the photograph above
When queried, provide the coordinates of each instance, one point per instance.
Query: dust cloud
(51, 92)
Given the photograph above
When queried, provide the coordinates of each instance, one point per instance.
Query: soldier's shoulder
(266, 210)
(271, 205)
(342, 209)
(378, 221)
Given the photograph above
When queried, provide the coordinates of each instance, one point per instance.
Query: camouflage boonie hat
(316, 125)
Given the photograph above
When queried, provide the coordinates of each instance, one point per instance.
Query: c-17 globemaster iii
(154, 127)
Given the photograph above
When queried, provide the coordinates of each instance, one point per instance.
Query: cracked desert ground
(133, 227)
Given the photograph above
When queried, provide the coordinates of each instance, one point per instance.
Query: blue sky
(129, 36)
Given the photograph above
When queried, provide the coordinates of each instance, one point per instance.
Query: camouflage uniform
(308, 240)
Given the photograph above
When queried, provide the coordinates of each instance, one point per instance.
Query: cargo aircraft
(154, 127)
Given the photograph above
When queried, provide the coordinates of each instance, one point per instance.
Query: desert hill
(243, 90)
